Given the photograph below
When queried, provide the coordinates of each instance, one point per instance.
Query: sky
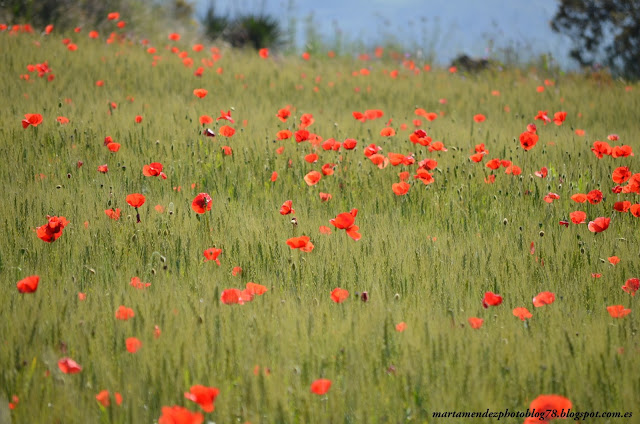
(446, 28)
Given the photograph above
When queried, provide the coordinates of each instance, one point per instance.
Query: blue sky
(448, 27)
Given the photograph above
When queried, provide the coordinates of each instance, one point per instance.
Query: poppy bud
(541, 233)
(294, 221)
(68, 175)
(365, 296)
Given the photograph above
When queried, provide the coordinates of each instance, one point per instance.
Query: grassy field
(425, 258)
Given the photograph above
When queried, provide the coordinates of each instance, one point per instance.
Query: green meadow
(425, 258)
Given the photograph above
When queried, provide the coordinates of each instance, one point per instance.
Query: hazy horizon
(446, 27)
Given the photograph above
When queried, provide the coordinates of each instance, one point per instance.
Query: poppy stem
(206, 221)
(137, 215)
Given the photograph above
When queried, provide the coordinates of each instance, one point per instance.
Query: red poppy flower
(477, 157)
(379, 160)
(103, 398)
(622, 206)
(635, 210)
(34, 119)
(133, 344)
(202, 203)
(387, 132)
(179, 415)
(93, 34)
(123, 313)
(152, 170)
(479, 118)
(284, 134)
(401, 188)
(113, 16)
(306, 120)
(618, 311)
(264, 53)
(29, 284)
(613, 260)
(428, 164)
(430, 116)
(236, 270)
(232, 296)
(350, 144)
(286, 208)
(544, 298)
(205, 119)
(621, 175)
(550, 197)
(69, 366)
(522, 313)
(475, 323)
(138, 119)
(302, 135)
(303, 243)
(345, 221)
(200, 92)
(226, 131)
(424, 176)
(324, 197)
(339, 295)
(211, 254)
(52, 230)
(312, 178)
(135, 200)
(578, 217)
(327, 168)
(598, 225)
(528, 140)
(491, 299)
(631, 286)
(103, 168)
(62, 120)
(321, 386)
(559, 117)
(255, 289)
(493, 164)
(324, 229)
(549, 405)
(203, 396)
(600, 148)
(516, 170)
(542, 173)
(401, 326)
(274, 176)
(311, 158)
(226, 116)
(437, 146)
(114, 147)
(284, 113)
(621, 151)
(594, 197)
(138, 284)
(227, 150)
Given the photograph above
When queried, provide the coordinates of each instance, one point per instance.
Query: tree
(248, 30)
(605, 32)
